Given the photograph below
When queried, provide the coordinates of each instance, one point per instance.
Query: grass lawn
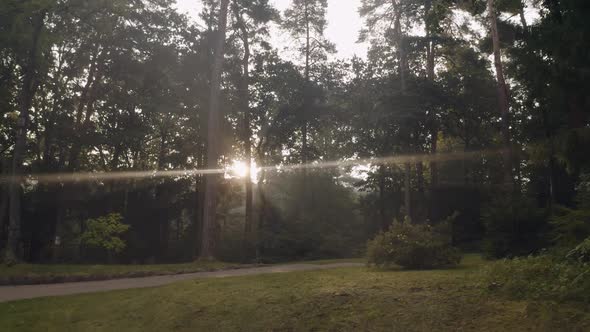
(48, 273)
(350, 299)
(52, 273)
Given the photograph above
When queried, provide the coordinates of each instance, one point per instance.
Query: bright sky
(344, 24)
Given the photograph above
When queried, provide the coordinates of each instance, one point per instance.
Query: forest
(133, 134)
(232, 169)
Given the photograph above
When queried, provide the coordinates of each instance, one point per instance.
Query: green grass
(333, 261)
(37, 273)
(349, 299)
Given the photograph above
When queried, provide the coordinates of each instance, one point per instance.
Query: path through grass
(350, 299)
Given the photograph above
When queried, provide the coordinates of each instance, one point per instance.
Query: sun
(239, 169)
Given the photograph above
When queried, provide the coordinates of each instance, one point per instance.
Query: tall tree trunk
(403, 67)
(430, 74)
(29, 88)
(211, 180)
(523, 18)
(502, 96)
(306, 96)
(245, 102)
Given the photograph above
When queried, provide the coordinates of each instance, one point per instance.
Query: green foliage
(300, 225)
(104, 233)
(412, 246)
(514, 227)
(539, 277)
(570, 226)
(292, 225)
(581, 253)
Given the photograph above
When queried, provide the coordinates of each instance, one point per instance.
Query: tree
(213, 139)
(306, 21)
(503, 102)
(377, 13)
(251, 18)
(35, 15)
(105, 233)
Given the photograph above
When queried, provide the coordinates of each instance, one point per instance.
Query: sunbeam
(240, 171)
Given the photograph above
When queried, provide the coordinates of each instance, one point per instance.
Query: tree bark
(502, 96)
(211, 180)
(29, 88)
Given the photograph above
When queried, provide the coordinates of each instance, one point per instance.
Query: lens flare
(240, 169)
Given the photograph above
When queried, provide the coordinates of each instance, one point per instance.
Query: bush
(570, 226)
(514, 227)
(581, 253)
(539, 277)
(412, 246)
(104, 233)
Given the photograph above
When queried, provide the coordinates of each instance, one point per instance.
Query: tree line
(91, 86)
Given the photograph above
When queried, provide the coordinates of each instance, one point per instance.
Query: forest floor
(344, 299)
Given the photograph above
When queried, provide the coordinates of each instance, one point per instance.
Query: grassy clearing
(350, 299)
(46, 273)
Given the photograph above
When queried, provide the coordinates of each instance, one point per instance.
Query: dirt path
(11, 293)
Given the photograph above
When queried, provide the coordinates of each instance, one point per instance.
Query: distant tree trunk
(551, 162)
(3, 196)
(48, 146)
(29, 88)
(522, 16)
(306, 96)
(407, 192)
(262, 212)
(85, 103)
(403, 67)
(382, 214)
(211, 180)
(420, 177)
(164, 225)
(502, 95)
(430, 74)
(245, 102)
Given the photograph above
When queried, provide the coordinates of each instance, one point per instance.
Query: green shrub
(539, 277)
(571, 226)
(412, 246)
(581, 253)
(514, 227)
(104, 233)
